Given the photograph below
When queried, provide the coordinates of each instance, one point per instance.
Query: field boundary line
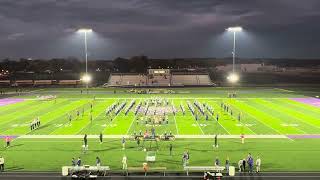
(246, 112)
(177, 136)
(97, 98)
(299, 111)
(262, 121)
(294, 117)
(267, 107)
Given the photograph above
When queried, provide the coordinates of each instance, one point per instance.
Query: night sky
(159, 28)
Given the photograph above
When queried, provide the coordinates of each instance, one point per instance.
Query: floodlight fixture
(84, 30)
(233, 78)
(86, 78)
(234, 29)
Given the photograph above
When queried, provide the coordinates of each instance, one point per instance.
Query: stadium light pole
(234, 30)
(85, 31)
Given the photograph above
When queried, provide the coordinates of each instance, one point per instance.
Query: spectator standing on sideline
(7, 139)
(244, 164)
(258, 164)
(145, 168)
(79, 162)
(1, 164)
(85, 145)
(170, 149)
(217, 162)
(227, 165)
(216, 141)
(240, 165)
(184, 159)
(123, 143)
(124, 162)
(188, 157)
(85, 140)
(242, 138)
(101, 138)
(250, 163)
(98, 161)
(73, 162)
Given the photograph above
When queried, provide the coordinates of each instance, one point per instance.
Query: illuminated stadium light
(84, 30)
(233, 78)
(86, 78)
(234, 29)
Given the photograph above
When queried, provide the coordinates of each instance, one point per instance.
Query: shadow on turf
(16, 145)
(41, 127)
(14, 168)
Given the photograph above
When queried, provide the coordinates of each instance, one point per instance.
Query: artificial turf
(264, 111)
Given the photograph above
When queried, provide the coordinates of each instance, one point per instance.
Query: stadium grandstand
(40, 83)
(160, 78)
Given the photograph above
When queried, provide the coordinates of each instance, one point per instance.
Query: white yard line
(90, 122)
(115, 117)
(221, 124)
(259, 120)
(67, 122)
(223, 127)
(264, 122)
(195, 120)
(174, 117)
(297, 111)
(275, 109)
(200, 127)
(241, 121)
(135, 116)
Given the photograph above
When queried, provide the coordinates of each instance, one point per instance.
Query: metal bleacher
(163, 79)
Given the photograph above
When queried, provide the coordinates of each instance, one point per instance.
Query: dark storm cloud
(158, 28)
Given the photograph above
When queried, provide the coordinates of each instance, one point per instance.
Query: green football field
(282, 126)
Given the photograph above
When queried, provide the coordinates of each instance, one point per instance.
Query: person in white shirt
(124, 162)
(240, 165)
(1, 164)
(258, 164)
